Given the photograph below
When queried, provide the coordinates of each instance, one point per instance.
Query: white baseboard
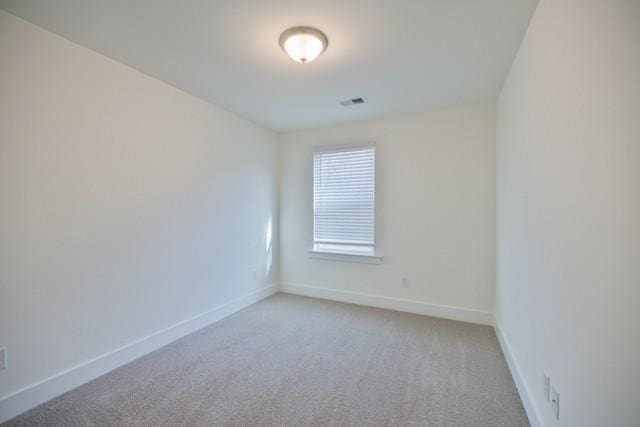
(22, 400)
(398, 304)
(530, 406)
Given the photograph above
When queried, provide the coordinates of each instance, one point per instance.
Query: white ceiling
(401, 55)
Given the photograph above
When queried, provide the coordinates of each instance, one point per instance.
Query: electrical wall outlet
(254, 275)
(546, 385)
(555, 403)
(405, 282)
(3, 358)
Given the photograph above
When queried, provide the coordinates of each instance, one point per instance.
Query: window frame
(344, 251)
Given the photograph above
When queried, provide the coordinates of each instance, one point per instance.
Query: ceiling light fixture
(303, 44)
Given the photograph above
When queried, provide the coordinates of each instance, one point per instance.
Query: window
(344, 200)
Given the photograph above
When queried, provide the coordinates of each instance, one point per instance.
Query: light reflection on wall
(269, 246)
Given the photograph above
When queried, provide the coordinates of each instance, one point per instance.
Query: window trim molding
(328, 148)
(336, 255)
(344, 257)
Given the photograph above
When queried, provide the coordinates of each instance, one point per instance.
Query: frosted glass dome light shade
(303, 44)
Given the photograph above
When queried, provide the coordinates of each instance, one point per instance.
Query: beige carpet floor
(295, 361)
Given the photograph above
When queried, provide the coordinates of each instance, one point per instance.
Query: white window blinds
(344, 198)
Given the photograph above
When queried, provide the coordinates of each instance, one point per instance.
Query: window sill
(345, 257)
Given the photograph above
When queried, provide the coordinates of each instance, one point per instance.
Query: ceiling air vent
(353, 101)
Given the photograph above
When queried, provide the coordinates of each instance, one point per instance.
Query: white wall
(568, 288)
(126, 204)
(435, 208)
